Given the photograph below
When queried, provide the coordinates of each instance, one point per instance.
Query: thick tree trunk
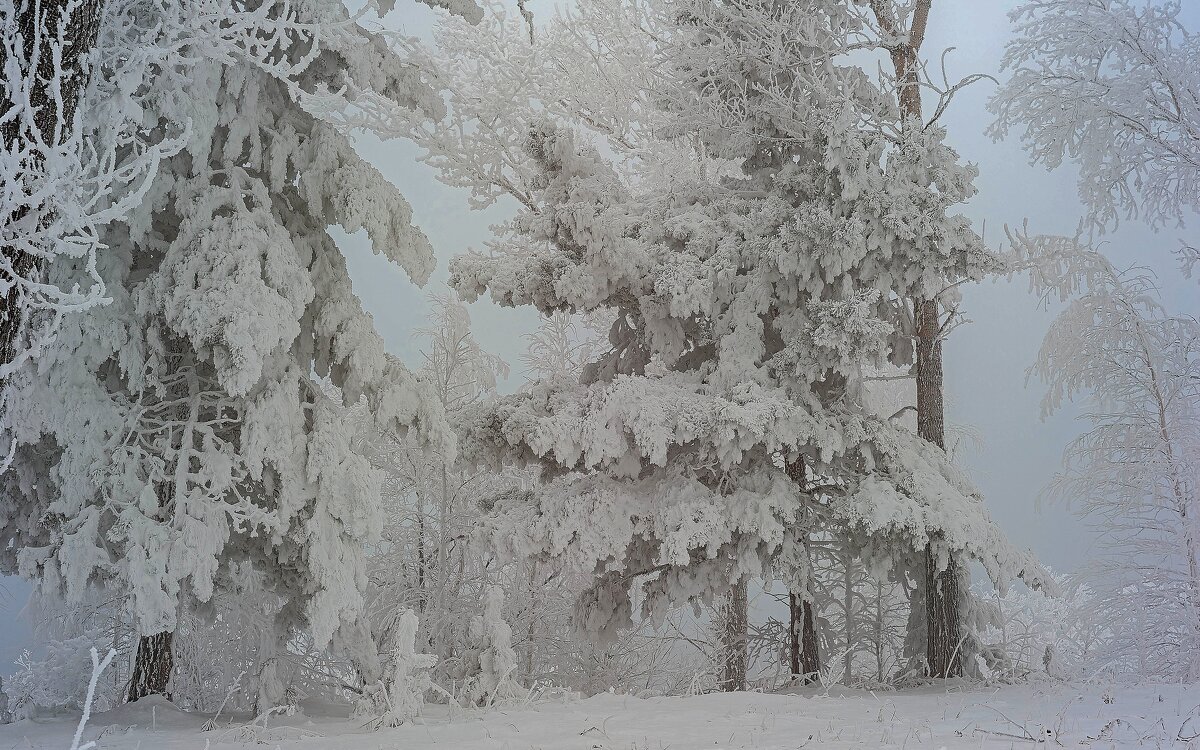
(152, 666)
(941, 589)
(944, 633)
(944, 640)
(733, 640)
(802, 630)
(916, 634)
(36, 23)
(802, 627)
(810, 655)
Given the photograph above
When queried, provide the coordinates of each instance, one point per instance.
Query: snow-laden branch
(1113, 87)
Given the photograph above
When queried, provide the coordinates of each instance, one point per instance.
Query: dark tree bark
(152, 666)
(802, 630)
(941, 595)
(943, 616)
(31, 23)
(944, 631)
(733, 640)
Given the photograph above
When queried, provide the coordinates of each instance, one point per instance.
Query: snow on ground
(967, 717)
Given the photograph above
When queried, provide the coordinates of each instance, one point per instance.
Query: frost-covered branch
(198, 431)
(1114, 87)
(1134, 474)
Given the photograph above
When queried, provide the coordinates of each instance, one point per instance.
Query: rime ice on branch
(178, 431)
(756, 265)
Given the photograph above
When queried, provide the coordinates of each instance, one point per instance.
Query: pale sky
(986, 361)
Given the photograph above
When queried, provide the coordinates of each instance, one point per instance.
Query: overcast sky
(986, 361)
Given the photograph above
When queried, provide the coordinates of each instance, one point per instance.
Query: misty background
(1017, 450)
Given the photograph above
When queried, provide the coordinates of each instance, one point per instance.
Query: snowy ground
(1095, 716)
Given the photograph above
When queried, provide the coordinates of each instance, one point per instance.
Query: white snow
(1096, 715)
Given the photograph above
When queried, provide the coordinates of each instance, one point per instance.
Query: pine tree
(179, 430)
(734, 638)
(44, 49)
(747, 305)
(944, 583)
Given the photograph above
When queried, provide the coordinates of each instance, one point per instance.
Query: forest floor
(961, 716)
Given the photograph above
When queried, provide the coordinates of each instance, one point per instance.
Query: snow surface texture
(1095, 715)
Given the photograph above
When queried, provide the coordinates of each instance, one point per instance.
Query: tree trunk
(34, 24)
(795, 620)
(531, 630)
(422, 573)
(848, 605)
(810, 655)
(943, 629)
(879, 631)
(733, 640)
(802, 630)
(930, 414)
(916, 633)
(5, 716)
(152, 666)
(944, 640)
(805, 656)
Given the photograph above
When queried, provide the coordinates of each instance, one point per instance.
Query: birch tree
(1134, 475)
(1113, 88)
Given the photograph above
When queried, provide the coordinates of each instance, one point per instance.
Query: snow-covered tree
(179, 430)
(53, 674)
(748, 299)
(1070, 636)
(590, 66)
(1113, 87)
(94, 96)
(44, 51)
(431, 503)
(400, 696)
(491, 661)
(1135, 475)
(860, 615)
(610, 72)
(898, 29)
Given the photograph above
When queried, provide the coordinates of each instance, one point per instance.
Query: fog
(1017, 450)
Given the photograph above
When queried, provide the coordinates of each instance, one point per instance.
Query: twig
(97, 667)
